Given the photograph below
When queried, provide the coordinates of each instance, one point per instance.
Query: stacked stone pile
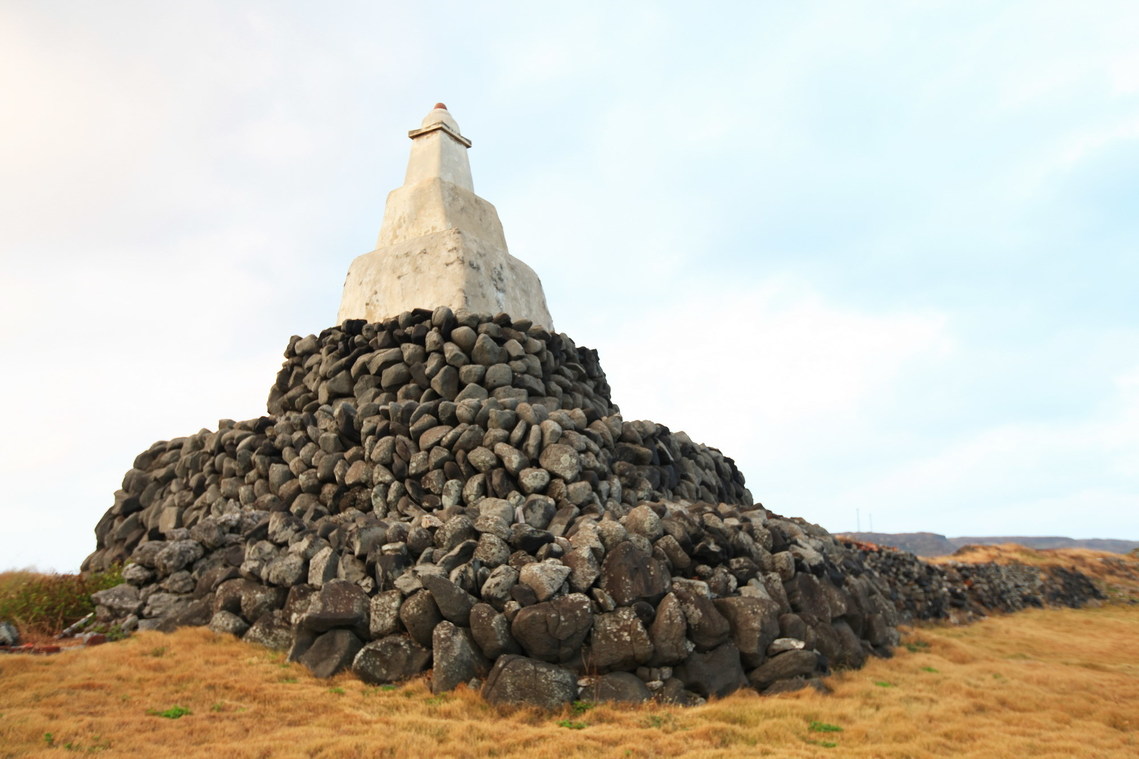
(425, 356)
(399, 511)
(961, 591)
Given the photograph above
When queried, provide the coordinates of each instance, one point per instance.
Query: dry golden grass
(1051, 683)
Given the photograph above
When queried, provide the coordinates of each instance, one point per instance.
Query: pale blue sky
(882, 254)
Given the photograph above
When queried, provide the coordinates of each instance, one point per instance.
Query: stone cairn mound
(457, 492)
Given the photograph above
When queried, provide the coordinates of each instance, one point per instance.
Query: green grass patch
(94, 748)
(884, 684)
(174, 712)
(823, 727)
(379, 689)
(571, 724)
(928, 669)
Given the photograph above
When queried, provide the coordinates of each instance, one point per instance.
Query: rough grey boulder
(797, 663)
(391, 659)
(271, 630)
(754, 624)
(117, 602)
(555, 630)
(713, 673)
(419, 615)
(519, 680)
(622, 687)
(619, 641)
(456, 658)
(331, 652)
(628, 575)
(228, 622)
(491, 631)
(339, 604)
(453, 602)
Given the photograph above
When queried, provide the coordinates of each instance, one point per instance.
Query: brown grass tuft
(1041, 683)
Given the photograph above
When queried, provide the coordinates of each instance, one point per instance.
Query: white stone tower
(440, 244)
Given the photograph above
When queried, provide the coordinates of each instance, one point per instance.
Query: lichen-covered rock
(271, 630)
(390, 659)
(545, 578)
(519, 680)
(491, 632)
(555, 630)
(453, 602)
(619, 641)
(754, 624)
(456, 659)
(117, 602)
(419, 615)
(229, 623)
(339, 604)
(629, 575)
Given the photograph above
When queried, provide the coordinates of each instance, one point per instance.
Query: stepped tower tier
(440, 244)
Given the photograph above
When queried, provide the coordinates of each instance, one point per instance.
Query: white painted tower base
(440, 244)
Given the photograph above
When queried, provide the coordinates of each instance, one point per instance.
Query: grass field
(1044, 683)
(1041, 683)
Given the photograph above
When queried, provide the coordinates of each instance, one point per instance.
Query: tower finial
(439, 149)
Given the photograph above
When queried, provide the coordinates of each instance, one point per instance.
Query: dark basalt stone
(555, 630)
(786, 665)
(456, 658)
(622, 687)
(629, 575)
(519, 680)
(419, 615)
(331, 652)
(391, 659)
(713, 673)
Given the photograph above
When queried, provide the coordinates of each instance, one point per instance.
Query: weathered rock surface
(518, 680)
(390, 660)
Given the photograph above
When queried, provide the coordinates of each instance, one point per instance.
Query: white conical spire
(439, 243)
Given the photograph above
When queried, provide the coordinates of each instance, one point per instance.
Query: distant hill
(932, 544)
(919, 543)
